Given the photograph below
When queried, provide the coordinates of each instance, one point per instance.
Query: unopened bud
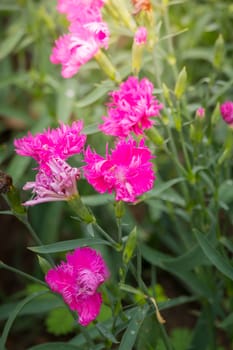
(181, 83)
(140, 39)
(218, 52)
(107, 66)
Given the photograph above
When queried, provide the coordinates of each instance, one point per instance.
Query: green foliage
(60, 321)
(173, 246)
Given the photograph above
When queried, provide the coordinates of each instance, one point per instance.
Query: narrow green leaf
(37, 306)
(55, 346)
(130, 335)
(10, 42)
(15, 313)
(227, 243)
(162, 187)
(95, 95)
(106, 333)
(219, 261)
(67, 245)
(65, 99)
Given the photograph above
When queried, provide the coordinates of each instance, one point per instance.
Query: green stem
(37, 240)
(21, 273)
(105, 234)
(171, 50)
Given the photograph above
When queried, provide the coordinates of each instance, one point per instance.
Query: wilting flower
(140, 36)
(141, 5)
(56, 183)
(128, 170)
(226, 110)
(77, 280)
(62, 142)
(131, 108)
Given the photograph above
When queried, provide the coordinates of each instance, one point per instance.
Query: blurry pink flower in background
(57, 183)
(140, 37)
(62, 142)
(128, 170)
(87, 34)
(82, 10)
(77, 280)
(131, 108)
(226, 110)
(200, 112)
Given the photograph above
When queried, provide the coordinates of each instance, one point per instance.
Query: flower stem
(21, 273)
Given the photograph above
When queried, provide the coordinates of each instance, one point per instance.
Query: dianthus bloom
(77, 280)
(140, 36)
(62, 142)
(128, 170)
(87, 34)
(57, 183)
(226, 110)
(131, 108)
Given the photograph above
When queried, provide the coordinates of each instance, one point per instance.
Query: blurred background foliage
(33, 96)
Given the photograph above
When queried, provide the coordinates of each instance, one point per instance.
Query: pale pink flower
(57, 183)
(79, 46)
(87, 34)
(200, 112)
(131, 108)
(62, 142)
(226, 110)
(128, 170)
(140, 36)
(77, 280)
(82, 10)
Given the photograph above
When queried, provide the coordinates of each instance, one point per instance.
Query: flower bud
(218, 52)
(181, 83)
(140, 39)
(107, 66)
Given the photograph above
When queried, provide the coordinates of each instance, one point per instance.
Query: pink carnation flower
(131, 108)
(62, 142)
(226, 110)
(57, 183)
(82, 10)
(140, 37)
(77, 280)
(79, 46)
(128, 170)
(87, 34)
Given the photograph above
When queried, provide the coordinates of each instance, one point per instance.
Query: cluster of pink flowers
(226, 110)
(77, 280)
(128, 170)
(131, 108)
(55, 180)
(87, 33)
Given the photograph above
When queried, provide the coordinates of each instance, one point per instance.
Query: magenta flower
(62, 142)
(140, 37)
(131, 108)
(56, 183)
(128, 170)
(226, 110)
(77, 280)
